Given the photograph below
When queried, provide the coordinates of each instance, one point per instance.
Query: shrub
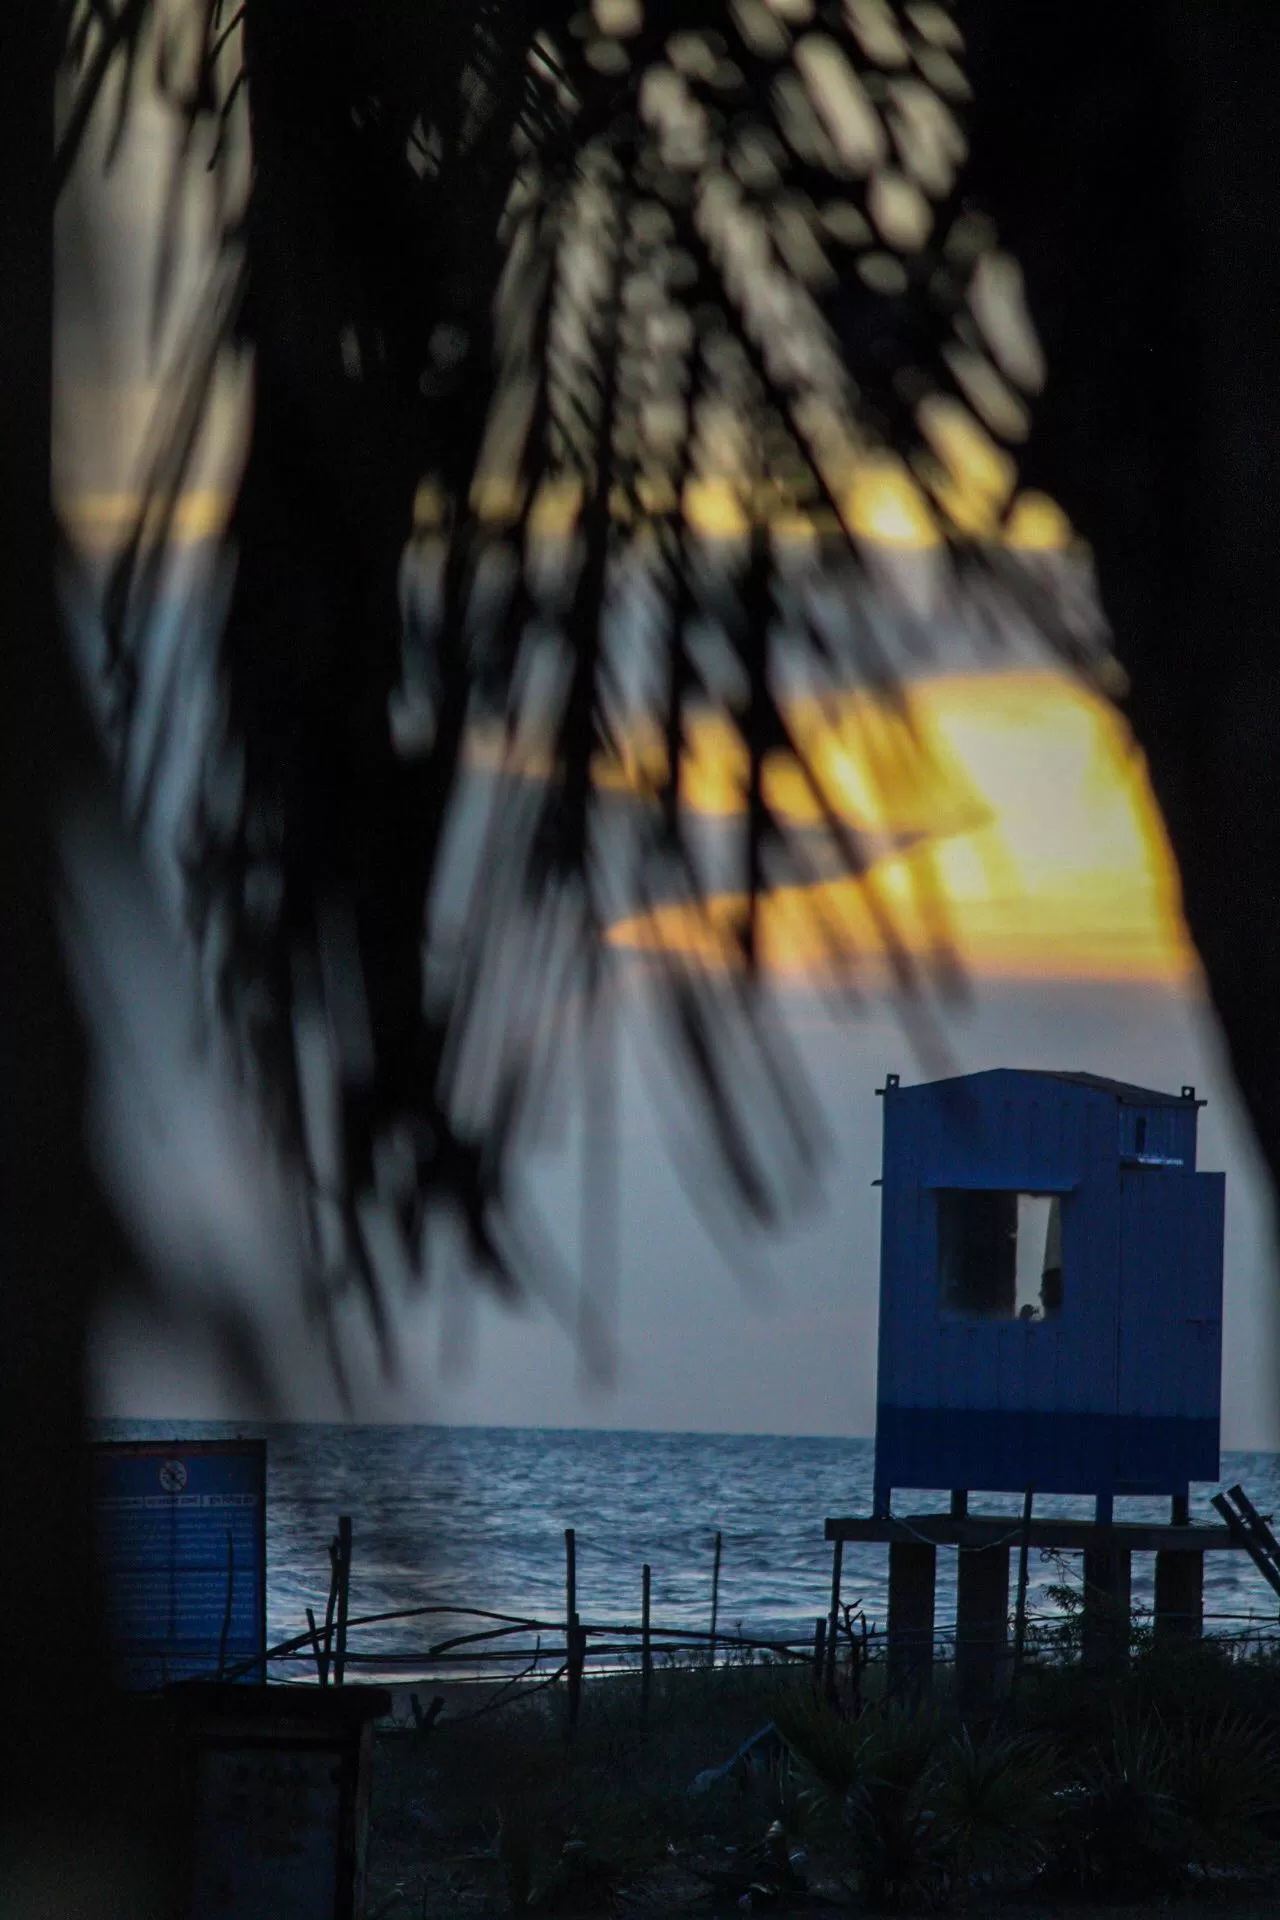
(900, 1853)
(826, 1745)
(922, 1811)
(1224, 1779)
(1119, 1831)
(516, 1850)
(995, 1802)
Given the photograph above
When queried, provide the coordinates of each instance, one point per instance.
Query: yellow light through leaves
(882, 504)
(886, 508)
(1061, 871)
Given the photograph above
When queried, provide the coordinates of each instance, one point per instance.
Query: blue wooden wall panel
(1202, 1356)
(1121, 1386)
(1053, 1452)
(1171, 1308)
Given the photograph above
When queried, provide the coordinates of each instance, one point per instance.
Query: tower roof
(1123, 1091)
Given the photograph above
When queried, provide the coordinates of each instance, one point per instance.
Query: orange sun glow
(1052, 862)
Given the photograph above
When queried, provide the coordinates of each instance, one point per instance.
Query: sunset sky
(1061, 902)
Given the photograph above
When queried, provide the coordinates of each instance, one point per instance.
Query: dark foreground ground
(490, 1813)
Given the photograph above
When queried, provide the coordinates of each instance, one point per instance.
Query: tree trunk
(76, 1791)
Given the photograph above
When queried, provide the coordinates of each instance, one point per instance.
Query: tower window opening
(1000, 1253)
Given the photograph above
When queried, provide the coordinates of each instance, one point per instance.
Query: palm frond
(570, 278)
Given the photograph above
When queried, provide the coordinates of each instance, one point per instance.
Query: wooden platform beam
(1064, 1536)
(1179, 1612)
(912, 1583)
(1107, 1593)
(982, 1630)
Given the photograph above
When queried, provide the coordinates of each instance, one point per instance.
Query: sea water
(474, 1517)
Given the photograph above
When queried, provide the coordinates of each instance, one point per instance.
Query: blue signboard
(181, 1539)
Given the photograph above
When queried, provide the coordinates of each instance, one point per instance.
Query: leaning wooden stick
(330, 1604)
(226, 1612)
(318, 1648)
(1020, 1612)
(573, 1637)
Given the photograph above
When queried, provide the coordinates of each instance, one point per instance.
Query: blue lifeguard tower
(1050, 1289)
(1050, 1322)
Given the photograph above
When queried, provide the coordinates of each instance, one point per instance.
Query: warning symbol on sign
(173, 1476)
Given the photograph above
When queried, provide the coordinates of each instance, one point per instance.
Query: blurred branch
(117, 37)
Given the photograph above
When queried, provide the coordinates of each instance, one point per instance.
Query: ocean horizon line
(471, 1426)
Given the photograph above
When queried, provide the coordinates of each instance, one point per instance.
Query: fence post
(646, 1649)
(344, 1588)
(572, 1637)
(1020, 1610)
(819, 1654)
(715, 1600)
(577, 1652)
(833, 1620)
(570, 1573)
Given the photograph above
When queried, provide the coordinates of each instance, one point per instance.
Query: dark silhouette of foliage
(1126, 156)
